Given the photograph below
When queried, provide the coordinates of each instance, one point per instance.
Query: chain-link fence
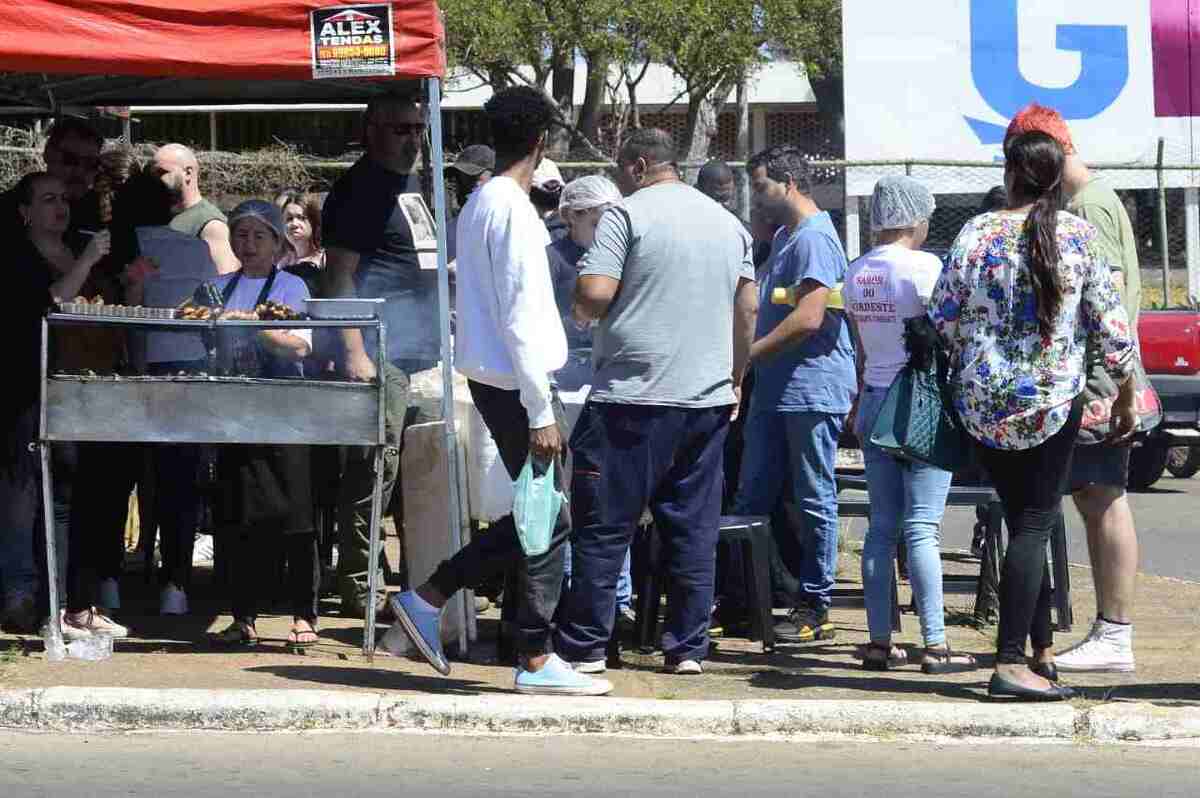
(1163, 220)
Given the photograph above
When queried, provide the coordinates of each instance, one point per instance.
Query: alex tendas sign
(353, 41)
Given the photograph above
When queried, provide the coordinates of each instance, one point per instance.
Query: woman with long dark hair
(42, 270)
(1025, 293)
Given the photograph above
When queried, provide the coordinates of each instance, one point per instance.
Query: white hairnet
(589, 192)
(899, 202)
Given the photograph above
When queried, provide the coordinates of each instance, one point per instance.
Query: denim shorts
(1099, 464)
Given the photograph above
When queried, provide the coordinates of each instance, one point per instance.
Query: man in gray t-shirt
(671, 280)
(665, 339)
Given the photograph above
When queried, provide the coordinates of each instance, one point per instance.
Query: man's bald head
(177, 166)
(176, 154)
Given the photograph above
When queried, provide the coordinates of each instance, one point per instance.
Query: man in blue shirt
(804, 372)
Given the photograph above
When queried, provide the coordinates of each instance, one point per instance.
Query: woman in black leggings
(1025, 294)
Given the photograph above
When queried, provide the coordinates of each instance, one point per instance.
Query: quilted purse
(917, 423)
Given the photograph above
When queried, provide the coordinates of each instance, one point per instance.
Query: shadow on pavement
(1165, 694)
(370, 679)
(775, 680)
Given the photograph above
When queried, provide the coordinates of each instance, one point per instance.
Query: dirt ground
(167, 652)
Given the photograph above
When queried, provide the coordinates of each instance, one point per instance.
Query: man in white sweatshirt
(509, 339)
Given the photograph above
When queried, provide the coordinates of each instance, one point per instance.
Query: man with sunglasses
(72, 154)
(371, 252)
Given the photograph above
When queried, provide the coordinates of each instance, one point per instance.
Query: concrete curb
(69, 709)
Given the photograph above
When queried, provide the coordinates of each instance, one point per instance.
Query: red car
(1170, 347)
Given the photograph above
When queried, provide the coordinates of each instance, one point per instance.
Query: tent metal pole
(454, 512)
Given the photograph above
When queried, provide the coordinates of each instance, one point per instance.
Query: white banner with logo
(940, 79)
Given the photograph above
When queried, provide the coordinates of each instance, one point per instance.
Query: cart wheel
(1183, 461)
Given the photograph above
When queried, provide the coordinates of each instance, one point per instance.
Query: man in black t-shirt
(72, 154)
(371, 253)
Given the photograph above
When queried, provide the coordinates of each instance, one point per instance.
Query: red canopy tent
(72, 53)
(147, 52)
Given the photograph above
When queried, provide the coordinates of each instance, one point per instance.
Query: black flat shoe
(999, 687)
(1047, 670)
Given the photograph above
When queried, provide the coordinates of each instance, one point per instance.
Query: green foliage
(705, 41)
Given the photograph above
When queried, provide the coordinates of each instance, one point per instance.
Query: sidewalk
(162, 655)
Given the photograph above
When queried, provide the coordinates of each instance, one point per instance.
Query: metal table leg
(54, 642)
(1060, 574)
(373, 550)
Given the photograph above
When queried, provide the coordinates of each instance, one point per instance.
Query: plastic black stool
(752, 534)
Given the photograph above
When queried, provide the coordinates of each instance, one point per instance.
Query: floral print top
(1012, 386)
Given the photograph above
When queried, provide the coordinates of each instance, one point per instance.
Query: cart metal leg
(55, 640)
(433, 88)
(373, 550)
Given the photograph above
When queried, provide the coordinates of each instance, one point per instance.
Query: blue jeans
(22, 521)
(627, 458)
(907, 500)
(20, 498)
(796, 451)
(624, 580)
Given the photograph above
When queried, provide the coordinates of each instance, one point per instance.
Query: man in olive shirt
(178, 167)
(1100, 472)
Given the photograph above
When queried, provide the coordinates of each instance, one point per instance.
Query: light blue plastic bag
(536, 502)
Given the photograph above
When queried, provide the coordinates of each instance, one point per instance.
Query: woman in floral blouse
(1024, 294)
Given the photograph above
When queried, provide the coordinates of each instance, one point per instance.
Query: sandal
(236, 634)
(939, 661)
(294, 641)
(883, 657)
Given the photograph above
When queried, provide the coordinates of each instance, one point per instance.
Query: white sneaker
(172, 601)
(110, 594)
(1110, 650)
(687, 667)
(202, 552)
(594, 666)
(1092, 634)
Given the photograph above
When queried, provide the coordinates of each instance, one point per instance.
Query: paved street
(1168, 520)
(291, 766)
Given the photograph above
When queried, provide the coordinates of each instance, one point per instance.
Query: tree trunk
(704, 108)
(742, 152)
(562, 89)
(593, 97)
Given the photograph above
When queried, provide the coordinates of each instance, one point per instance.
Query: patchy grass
(9, 655)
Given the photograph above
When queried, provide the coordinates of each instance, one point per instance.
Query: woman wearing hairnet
(892, 283)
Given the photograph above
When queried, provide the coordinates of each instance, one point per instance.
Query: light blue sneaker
(558, 678)
(423, 627)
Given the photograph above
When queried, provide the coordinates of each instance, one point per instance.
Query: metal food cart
(209, 409)
(197, 51)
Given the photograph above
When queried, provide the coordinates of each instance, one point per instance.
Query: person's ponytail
(1041, 239)
(1033, 174)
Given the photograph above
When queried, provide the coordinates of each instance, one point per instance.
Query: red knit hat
(1034, 117)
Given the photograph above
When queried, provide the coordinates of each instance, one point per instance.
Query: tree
(538, 42)
(716, 45)
(712, 45)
